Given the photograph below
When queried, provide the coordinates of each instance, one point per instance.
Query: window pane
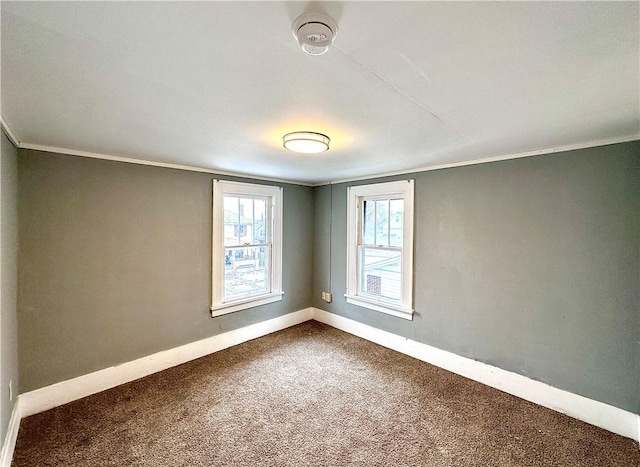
(245, 220)
(368, 222)
(259, 220)
(245, 230)
(382, 222)
(381, 273)
(246, 272)
(232, 229)
(396, 220)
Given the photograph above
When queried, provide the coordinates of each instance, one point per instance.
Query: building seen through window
(247, 252)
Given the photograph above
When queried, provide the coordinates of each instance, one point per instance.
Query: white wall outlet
(327, 297)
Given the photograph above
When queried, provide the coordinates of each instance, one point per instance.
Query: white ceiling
(406, 85)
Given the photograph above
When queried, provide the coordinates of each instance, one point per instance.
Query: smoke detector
(314, 32)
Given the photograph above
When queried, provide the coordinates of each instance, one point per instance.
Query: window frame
(403, 189)
(274, 193)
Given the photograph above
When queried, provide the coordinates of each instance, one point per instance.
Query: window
(247, 246)
(380, 247)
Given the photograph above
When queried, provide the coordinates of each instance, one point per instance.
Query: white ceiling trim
(93, 155)
(537, 152)
(9, 132)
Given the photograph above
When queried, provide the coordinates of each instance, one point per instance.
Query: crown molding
(129, 160)
(9, 132)
(537, 152)
(484, 160)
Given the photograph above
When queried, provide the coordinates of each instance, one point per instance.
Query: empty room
(320, 233)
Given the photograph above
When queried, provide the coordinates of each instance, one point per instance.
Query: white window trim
(220, 188)
(404, 188)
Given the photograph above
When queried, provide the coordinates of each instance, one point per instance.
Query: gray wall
(8, 278)
(531, 265)
(115, 263)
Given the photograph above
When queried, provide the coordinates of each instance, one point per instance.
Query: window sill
(406, 313)
(224, 308)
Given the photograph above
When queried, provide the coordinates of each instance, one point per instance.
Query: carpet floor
(311, 395)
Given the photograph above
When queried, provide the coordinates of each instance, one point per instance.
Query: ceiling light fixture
(314, 32)
(307, 142)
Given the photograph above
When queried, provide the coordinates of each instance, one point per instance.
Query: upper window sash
(368, 234)
(241, 229)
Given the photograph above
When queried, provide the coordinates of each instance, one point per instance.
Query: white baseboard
(61, 393)
(596, 413)
(12, 434)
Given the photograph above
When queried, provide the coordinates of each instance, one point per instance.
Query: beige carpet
(311, 395)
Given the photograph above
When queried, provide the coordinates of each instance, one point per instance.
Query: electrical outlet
(326, 296)
(10, 390)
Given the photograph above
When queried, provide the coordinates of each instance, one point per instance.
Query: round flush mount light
(306, 142)
(314, 32)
